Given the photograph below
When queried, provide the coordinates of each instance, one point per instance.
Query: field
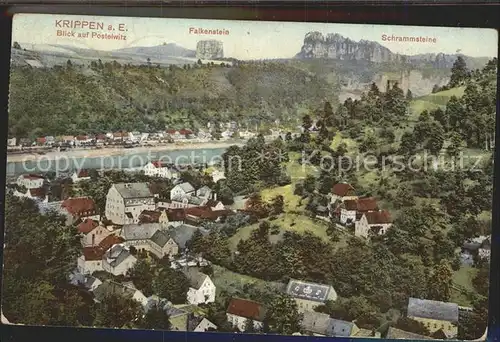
(232, 282)
(463, 279)
(433, 101)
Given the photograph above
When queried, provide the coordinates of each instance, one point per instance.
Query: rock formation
(335, 46)
(209, 49)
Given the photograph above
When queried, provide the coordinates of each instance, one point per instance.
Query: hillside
(75, 99)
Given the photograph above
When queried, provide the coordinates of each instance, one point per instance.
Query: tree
(172, 285)
(282, 315)
(277, 205)
(17, 46)
(409, 95)
(440, 282)
(435, 89)
(199, 62)
(116, 311)
(196, 244)
(155, 319)
(142, 275)
(459, 72)
(482, 280)
(408, 144)
(413, 326)
(307, 122)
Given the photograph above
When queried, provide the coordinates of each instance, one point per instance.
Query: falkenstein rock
(209, 49)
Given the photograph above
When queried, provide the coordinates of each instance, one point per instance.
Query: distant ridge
(170, 50)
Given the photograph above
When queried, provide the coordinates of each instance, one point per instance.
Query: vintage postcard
(284, 178)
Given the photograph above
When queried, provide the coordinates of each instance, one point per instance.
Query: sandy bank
(114, 151)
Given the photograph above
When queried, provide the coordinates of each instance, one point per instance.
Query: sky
(253, 39)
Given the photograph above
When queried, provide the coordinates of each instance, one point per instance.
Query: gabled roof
(342, 189)
(149, 216)
(139, 231)
(175, 215)
(378, 217)
(78, 205)
(195, 277)
(87, 225)
(116, 255)
(93, 253)
(361, 204)
(394, 333)
(109, 287)
(37, 192)
(109, 241)
(247, 309)
(323, 324)
(431, 309)
(160, 238)
(183, 233)
(186, 187)
(83, 173)
(133, 190)
(204, 190)
(32, 176)
(307, 290)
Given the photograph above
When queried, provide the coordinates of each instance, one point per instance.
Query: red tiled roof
(171, 131)
(33, 176)
(159, 164)
(120, 134)
(101, 137)
(362, 204)
(149, 216)
(185, 131)
(110, 241)
(37, 192)
(82, 137)
(93, 253)
(41, 140)
(342, 189)
(176, 215)
(87, 226)
(83, 173)
(206, 213)
(378, 217)
(246, 308)
(79, 206)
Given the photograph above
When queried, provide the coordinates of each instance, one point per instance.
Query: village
(219, 132)
(139, 225)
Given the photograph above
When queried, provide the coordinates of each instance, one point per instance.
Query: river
(127, 160)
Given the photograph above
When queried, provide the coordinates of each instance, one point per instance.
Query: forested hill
(104, 97)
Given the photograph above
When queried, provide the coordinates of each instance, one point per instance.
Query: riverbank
(117, 151)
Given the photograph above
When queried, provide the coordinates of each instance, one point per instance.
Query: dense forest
(106, 97)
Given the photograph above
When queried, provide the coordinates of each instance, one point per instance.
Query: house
(182, 190)
(199, 215)
(154, 216)
(189, 261)
(246, 134)
(90, 283)
(101, 138)
(373, 222)
(149, 237)
(120, 136)
(395, 334)
(484, 252)
(435, 315)
(80, 175)
(160, 169)
(186, 133)
(227, 134)
(342, 192)
(217, 175)
(126, 201)
(11, 142)
(320, 324)
(91, 258)
(40, 141)
(183, 233)
(349, 208)
(204, 192)
(118, 260)
(77, 208)
(92, 232)
(240, 311)
(200, 324)
(37, 194)
(201, 288)
(31, 181)
(110, 287)
(310, 295)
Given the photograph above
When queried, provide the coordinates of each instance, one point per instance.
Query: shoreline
(113, 151)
